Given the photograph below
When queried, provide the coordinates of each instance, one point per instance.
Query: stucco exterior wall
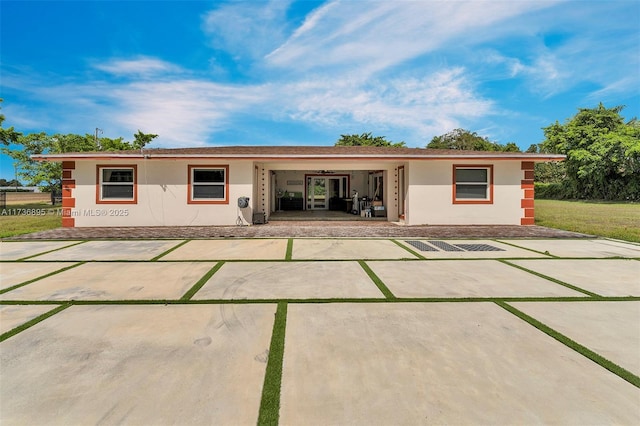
(429, 198)
(161, 196)
(162, 192)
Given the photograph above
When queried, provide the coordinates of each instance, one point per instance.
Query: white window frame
(224, 184)
(101, 199)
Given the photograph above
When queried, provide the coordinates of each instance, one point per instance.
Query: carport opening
(351, 192)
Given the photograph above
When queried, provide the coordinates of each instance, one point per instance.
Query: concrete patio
(378, 331)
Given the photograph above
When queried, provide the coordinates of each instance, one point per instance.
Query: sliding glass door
(321, 189)
(317, 193)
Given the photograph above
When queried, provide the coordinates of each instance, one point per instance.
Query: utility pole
(15, 172)
(96, 138)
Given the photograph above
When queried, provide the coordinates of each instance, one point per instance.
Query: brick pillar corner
(68, 199)
(527, 201)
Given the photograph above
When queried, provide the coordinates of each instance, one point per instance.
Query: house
(203, 186)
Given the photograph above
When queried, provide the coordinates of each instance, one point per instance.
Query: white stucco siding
(161, 196)
(162, 191)
(430, 195)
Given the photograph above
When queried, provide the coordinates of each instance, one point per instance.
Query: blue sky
(304, 72)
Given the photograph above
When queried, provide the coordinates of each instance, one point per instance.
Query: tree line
(48, 175)
(602, 153)
(603, 157)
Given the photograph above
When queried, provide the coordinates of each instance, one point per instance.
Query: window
(208, 185)
(116, 185)
(472, 184)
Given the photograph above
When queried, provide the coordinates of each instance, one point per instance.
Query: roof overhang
(150, 155)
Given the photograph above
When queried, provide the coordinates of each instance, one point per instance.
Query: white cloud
(188, 111)
(344, 67)
(545, 75)
(371, 36)
(432, 104)
(141, 66)
(247, 28)
(608, 92)
(183, 112)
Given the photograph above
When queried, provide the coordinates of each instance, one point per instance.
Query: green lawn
(26, 218)
(605, 219)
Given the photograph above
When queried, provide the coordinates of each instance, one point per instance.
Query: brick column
(68, 200)
(526, 184)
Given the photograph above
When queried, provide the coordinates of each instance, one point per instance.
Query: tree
(12, 182)
(510, 147)
(140, 140)
(603, 153)
(469, 141)
(21, 147)
(7, 136)
(367, 139)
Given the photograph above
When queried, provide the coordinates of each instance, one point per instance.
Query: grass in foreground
(613, 220)
(26, 218)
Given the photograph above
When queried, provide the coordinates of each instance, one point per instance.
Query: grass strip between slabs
(413, 252)
(289, 253)
(169, 251)
(28, 324)
(377, 281)
(525, 248)
(270, 403)
(202, 281)
(51, 251)
(41, 277)
(546, 277)
(583, 350)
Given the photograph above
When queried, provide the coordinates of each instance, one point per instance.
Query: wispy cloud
(247, 29)
(140, 66)
(418, 68)
(371, 36)
(627, 84)
(546, 74)
(188, 111)
(183, 111)
(434, 103)
(587, 46)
